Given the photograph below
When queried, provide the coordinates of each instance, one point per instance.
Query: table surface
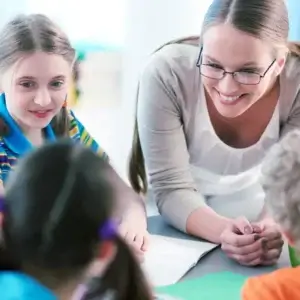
(215, 261)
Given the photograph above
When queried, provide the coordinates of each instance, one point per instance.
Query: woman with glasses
(208, 111)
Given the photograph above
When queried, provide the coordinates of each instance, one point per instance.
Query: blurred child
(58, 230)
(281, 182)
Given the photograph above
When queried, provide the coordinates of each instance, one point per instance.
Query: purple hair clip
(108, 230)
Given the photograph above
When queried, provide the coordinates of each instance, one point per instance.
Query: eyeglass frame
(199, 64)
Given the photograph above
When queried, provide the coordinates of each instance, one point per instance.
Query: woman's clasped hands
(252, 244)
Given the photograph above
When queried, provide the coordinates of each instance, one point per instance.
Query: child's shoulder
(281, 275)
(71, 115)
(275, 285)
(74, 125)
(15, 285)
(74, 122)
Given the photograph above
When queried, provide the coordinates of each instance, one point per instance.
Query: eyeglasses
(243, 77)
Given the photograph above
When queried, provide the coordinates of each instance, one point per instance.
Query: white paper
(169, 259)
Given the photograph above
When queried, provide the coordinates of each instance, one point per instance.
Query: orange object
(65, 104)
(283, 284)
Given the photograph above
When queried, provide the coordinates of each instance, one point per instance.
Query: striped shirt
(15, 144)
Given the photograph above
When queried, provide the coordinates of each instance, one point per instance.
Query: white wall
(150, 23)
(89, 20)
(8, 11)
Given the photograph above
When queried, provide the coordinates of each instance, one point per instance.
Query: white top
(219, 169)
(229, 177)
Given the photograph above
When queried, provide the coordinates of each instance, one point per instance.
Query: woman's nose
(228, 85)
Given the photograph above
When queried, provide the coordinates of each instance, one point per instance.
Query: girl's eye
(57, 84)
(27, 84)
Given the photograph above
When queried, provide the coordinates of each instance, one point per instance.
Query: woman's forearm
(206, 224)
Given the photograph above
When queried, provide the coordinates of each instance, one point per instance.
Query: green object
(216, 286)
(81, 55)
(84, 47)
(294, 257)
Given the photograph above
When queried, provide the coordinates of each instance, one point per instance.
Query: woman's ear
(280, 61)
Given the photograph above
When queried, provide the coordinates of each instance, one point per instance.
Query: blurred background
(113, 39)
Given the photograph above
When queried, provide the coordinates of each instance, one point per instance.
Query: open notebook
(169, 259)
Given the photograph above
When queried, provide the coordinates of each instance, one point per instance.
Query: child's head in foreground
(281, 182)
(57, 225)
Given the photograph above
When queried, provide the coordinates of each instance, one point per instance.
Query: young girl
(281, 182)
(57, 229)
(36, 63)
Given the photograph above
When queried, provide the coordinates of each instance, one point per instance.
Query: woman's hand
(273, 241)
(243, 242)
